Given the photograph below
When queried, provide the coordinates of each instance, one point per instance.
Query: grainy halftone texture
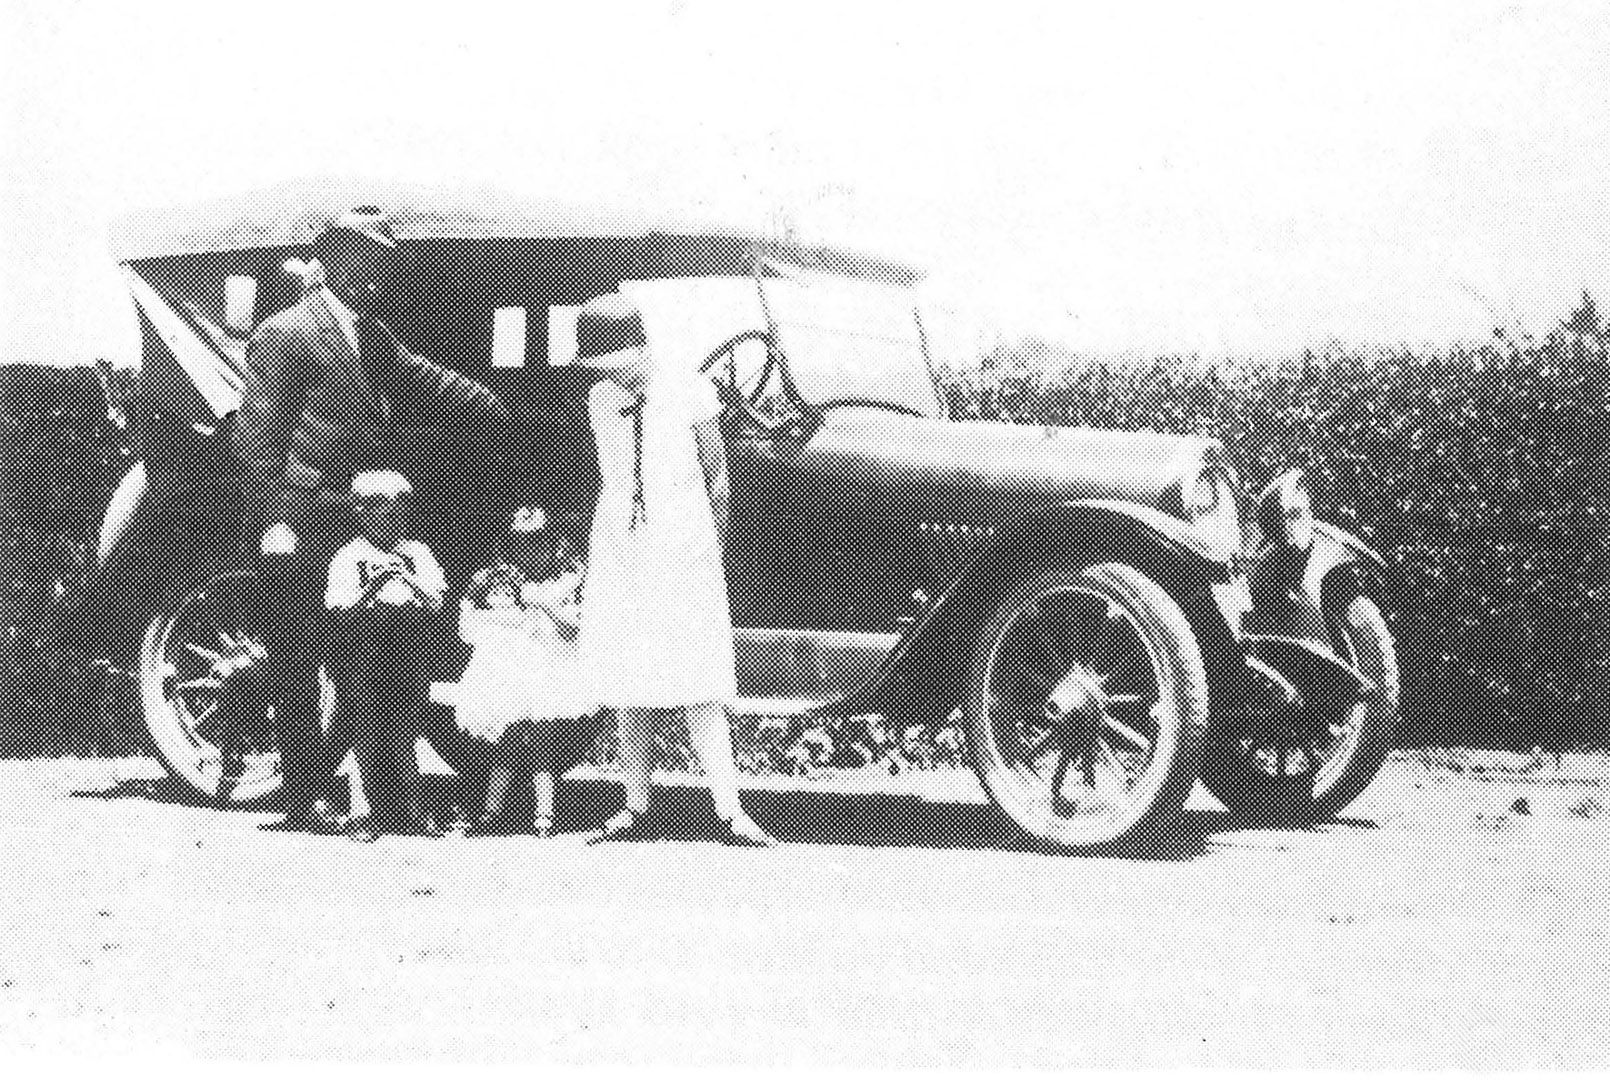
(930, 572)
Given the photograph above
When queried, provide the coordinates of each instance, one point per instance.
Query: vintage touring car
(1094, 605)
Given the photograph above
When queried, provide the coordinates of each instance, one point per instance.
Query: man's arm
(425, 389)
(271, 401)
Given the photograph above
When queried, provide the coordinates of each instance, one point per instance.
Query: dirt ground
(1459, 916)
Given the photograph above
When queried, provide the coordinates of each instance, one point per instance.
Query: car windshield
(850, 338)
(844, 337)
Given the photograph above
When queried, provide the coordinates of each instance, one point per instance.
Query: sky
(1145, 177)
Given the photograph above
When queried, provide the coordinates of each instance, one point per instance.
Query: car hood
(974, 471)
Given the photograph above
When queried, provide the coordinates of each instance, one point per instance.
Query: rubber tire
(1255, 796)
(1160, 620)
(177, 750)
(174, 745)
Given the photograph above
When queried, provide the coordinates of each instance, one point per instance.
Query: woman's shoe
(361, 830)
(543, 828)
(743, 832)
(627, 825)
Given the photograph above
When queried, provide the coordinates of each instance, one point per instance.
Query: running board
(446, 693)
(786, 672)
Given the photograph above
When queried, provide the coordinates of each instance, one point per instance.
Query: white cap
(381, 482)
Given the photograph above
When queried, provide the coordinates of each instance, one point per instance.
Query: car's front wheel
(1086, 705)
(1307, 766)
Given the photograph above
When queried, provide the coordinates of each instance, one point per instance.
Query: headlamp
(1209, 499)
(1286, 512)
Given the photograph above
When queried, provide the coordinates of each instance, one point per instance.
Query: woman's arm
(713, 459)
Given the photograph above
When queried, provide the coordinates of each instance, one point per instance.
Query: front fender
(1301, 594)
(1341, 567)
(1299, 601)
(930, 659)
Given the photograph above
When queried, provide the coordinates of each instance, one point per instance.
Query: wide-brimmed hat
(609, 333)
(368, 223)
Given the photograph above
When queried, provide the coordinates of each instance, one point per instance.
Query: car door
(812, 547)
(819, 575)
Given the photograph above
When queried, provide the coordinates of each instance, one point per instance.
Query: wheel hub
(1079, 700)
(245, 654)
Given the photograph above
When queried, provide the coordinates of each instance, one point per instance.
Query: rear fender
(931, 659)
(158, 540)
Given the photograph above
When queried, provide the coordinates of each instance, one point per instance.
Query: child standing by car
(384, 592)
(521, 690)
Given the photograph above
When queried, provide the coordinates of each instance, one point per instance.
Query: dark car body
(870, 540)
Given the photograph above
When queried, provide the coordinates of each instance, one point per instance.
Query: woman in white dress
(656, 631)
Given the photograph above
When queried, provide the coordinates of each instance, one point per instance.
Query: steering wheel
(747, 400)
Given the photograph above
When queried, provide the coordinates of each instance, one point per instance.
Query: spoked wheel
(1311, 759)
(1087, 702)
(190, 659)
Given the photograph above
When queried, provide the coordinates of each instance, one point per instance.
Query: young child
(383, 592)
(520, 690)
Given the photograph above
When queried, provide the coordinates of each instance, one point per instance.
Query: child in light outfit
(521, 690)
(383, 593)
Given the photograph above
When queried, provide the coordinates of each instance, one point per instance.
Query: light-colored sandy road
(1434, 930)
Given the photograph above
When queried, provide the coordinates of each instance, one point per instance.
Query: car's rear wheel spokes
(192, 662)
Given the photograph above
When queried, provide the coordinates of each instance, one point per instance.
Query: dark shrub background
(65, 444)
(1479, 471)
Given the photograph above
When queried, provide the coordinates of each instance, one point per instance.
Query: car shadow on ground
(1219, 829)
(866, 819)
(829, 818)
(161, 790)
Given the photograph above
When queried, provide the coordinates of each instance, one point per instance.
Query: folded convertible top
(289, 214)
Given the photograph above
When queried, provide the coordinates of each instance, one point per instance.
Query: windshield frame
(935, 405)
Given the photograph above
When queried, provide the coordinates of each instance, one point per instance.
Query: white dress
(656, 630)
(523, 668)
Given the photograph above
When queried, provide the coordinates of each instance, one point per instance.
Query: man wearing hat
(324, 379)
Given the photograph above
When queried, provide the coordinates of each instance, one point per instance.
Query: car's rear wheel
(1086, 705)
(1311, 765)
(206, 655)
(191, 658)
